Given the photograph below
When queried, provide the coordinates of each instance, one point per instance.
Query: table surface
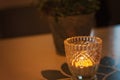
(35, 57)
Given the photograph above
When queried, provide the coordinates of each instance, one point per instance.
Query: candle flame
(82, 61)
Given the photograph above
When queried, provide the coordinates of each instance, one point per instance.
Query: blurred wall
(19, 18)
(109, 13)
(13, 3)
(114, 11)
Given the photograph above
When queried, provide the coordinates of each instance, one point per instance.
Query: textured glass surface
(83, 55)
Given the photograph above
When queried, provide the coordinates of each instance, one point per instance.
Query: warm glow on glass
(83, 54)
(82, 60)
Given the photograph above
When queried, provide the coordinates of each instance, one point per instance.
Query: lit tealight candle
(82, 60)
(83, 54)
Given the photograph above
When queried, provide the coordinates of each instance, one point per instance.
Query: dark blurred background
(20, 18)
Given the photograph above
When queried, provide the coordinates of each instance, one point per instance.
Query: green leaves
(69, 7)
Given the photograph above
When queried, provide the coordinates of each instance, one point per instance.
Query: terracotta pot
(64, 27)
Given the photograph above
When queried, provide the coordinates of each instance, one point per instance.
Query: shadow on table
(107, 70)
(56, 74)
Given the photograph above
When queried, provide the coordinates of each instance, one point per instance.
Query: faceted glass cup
(83, 54)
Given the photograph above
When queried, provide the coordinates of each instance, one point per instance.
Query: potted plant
(69, 18)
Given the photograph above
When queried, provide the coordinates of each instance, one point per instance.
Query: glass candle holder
(83, 54)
